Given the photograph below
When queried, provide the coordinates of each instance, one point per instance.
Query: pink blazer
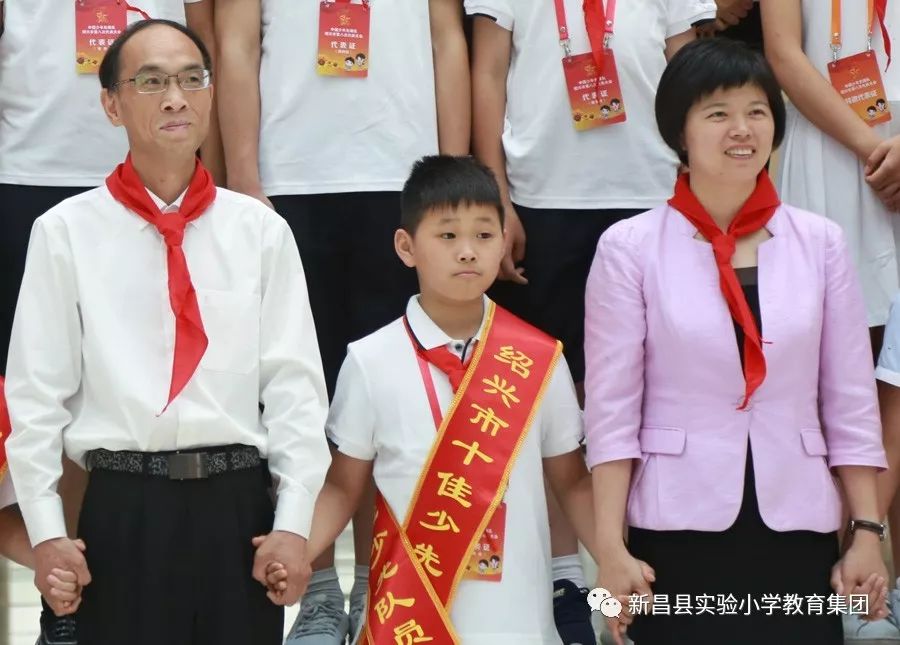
(664, 375)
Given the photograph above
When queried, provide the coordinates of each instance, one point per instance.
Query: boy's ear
(405, 248)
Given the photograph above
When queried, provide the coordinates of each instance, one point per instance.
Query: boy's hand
(276, 576)
(64, 587)
(285, 551)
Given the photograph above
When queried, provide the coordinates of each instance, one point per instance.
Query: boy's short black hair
(702, 67)
(495, 557)
(445, 182)
(109, 68)
(882, 101)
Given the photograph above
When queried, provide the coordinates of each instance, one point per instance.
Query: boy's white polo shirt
(53, 131)
(888, 369)
(380, 412)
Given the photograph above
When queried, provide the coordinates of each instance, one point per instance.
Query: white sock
(360, 585)
(568, 567)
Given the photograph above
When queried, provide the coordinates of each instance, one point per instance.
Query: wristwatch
(866, 525)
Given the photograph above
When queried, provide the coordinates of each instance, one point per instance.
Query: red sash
(415, 568)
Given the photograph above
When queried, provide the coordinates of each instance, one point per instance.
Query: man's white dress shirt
(90, 359)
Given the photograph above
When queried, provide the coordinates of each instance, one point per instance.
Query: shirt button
(458, 347)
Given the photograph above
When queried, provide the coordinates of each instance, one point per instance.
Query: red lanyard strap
(875, 7)
(599, 21)
(128, 7)
(427, 381)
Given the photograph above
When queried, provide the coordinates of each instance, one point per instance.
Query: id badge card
(97, 24)
(343, 39)
(594, 94)
(858, 80)
(486, 561)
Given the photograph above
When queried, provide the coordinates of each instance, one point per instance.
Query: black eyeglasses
(157, 82)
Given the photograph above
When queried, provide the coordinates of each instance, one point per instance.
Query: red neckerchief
(754, 215)
(190, 337)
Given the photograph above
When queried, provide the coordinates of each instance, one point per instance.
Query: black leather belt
(200, 463)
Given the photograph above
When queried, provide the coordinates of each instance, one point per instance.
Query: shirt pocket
(231, 320)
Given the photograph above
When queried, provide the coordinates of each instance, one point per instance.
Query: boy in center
(458, 409)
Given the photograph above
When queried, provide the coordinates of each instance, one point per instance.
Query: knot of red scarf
(190, 336)
(753, 215)
(448, 362)
(172, 229)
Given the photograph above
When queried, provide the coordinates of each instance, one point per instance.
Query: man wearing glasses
(55, 143)
(163, 338)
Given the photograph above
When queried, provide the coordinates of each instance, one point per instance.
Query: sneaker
(57, 630)
(876, 632)
(319, 622)
(572, 614)
(357, 617)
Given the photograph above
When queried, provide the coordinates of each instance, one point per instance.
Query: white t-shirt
(380, 412)
(548, 162)
(335, 135)
(53, 131)
(7, 491)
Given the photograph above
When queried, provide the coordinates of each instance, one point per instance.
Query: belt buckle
(190, 465)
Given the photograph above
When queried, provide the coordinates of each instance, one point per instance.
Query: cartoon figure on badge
(348, 63)
(881, 105)
(495, 563)
(616, 105)
(871, 112)
(482, 566)
(604, 111)
(360, 60)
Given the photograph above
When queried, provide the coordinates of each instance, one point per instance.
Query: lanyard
(600, 24)
(427, 381)
(874, 7)
(129, 7)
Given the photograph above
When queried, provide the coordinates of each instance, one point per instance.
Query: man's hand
(285, 550)
(276, 576)
(53, 559)
(515, 247)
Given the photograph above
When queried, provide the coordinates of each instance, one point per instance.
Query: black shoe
(572, 614)
(56, 630)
